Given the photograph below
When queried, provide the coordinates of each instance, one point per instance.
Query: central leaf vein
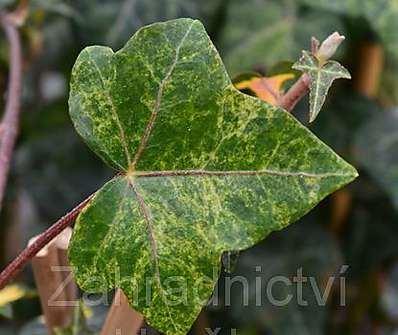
(204, 173)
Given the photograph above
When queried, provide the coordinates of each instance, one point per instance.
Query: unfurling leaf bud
(329, 46)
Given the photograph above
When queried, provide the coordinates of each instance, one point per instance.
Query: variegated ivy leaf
(322, 76)
(204, 169)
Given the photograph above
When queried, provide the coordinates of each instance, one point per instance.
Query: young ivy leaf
(204, 169)
(322, 75)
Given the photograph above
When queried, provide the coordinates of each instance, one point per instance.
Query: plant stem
(18, 263)
(9, 123)
(322, 52)
(299, 89)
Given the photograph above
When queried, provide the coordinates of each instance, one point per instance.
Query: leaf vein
(151, 236)
(152, 119)
(205, 173)
(113, 110)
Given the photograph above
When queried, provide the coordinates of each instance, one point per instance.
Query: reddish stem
(299, 89)
(9, 123)
(18, 263)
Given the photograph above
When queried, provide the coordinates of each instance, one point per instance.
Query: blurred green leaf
(78, 326)
(344, 114)
(382, 16)
(112, 22)
(281, 257)
(388, 92)
(5, 3)
(370, 237)
(6, 311)
(85, 321)
(60, 7)
(56, 182)
(376, 146)
(261, 33)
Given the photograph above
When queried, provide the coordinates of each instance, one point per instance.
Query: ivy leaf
(322, 77)
(203, 169)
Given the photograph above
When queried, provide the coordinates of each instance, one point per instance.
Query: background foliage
(53, 169)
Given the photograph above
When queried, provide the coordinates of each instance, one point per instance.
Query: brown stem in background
(300, 88)
(9, 123)
(18, 263)
(122, 318)
(369, 69)
(370, 62)
(57, 292)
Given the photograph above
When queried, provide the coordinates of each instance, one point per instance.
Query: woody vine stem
(10, 121)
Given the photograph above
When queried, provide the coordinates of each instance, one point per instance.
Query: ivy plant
(202, 169)
(322, 75)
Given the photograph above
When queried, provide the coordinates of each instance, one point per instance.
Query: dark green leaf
(44, 168)
(204, 169)
(85, 321)
(282, 255)
(260, 33)
(389, 296)
(114, 21)
(388, 93)
(382, 15)
(375, 149)
(5, 3)
(322, 77)
(78, 324)
(6, 311)
(342, 118)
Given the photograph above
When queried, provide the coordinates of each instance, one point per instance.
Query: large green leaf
(203, 169)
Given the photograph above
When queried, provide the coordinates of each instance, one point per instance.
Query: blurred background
(53, 169)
